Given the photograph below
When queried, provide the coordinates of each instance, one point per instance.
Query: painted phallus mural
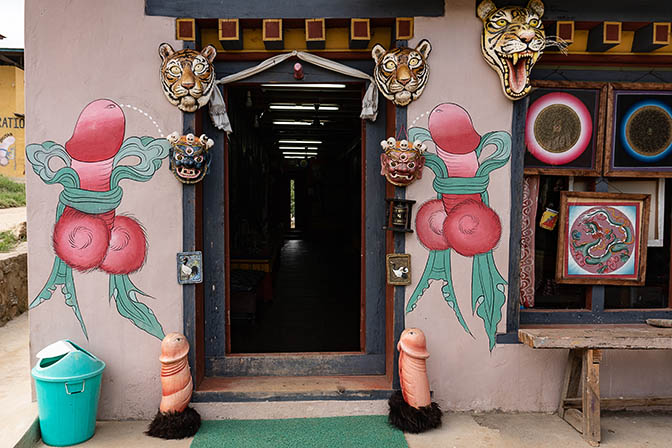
(461, 219)
(88, 233)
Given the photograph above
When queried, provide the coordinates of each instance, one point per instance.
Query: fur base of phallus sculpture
(412, 409)
(175, 425)
(175, 419)
(409, 419)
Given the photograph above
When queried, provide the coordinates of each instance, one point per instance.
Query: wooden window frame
(594, 312)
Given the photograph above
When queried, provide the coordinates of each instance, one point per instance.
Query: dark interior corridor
(295, 218)
(312, 308)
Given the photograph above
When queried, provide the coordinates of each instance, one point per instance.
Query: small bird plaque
(189, 268)
(398, 269)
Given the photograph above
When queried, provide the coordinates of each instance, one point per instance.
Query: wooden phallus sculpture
(175, 419)
(412, 409)
(298, 71)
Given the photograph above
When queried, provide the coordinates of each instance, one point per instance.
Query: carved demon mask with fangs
(401, 161)
(512, 41)
(189, 157)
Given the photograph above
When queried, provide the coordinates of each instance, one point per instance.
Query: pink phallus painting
(460, 219)
(88, 233)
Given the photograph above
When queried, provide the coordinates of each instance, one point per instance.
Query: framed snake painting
(602, 238)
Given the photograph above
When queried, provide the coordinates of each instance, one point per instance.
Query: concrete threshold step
(291, 397)
(289, 409)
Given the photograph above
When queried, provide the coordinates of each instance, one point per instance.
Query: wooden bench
(580, 402)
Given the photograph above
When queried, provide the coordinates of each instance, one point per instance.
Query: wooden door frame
(194, 297)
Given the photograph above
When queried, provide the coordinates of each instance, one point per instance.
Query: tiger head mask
(187, 76)
(513, 39)
(401, 73)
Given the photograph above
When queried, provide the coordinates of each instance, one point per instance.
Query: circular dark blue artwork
(646, 131)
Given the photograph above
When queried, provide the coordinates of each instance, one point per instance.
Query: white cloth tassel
(218, 113)
(370, 103)
(370, 100)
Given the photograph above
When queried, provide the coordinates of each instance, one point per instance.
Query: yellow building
(12, 122)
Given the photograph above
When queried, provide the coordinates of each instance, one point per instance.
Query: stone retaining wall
(13, 285)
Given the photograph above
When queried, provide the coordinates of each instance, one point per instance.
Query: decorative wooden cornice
(230, 35)
(316, 34)
(604, 36)
(403, 28)
(272, 34)
(185, 29)
(564, 29)
(651, 37)
(360, 33)
(644, 42)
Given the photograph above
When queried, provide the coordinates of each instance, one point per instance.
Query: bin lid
(66, 361)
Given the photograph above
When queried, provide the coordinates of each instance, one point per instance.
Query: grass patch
(12, 194)
(9, 241)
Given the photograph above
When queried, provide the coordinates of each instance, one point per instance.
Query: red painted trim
(390, 125)
(227, 245)
(362, 248)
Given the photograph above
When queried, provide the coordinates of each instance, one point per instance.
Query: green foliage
(12, 194)
(8, 241)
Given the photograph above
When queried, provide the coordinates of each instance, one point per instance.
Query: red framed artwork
(564, 128)
(601, 238)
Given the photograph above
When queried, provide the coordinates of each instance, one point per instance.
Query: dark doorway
(295, 218)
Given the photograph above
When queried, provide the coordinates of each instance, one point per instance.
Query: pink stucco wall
(82, 50)
(463, 373)
(77, 52)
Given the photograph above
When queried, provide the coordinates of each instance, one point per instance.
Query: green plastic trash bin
(67, 384)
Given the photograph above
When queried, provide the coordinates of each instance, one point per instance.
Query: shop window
(616, 157)
(551, 295)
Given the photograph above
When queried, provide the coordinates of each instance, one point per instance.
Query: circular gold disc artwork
(646, 132)
(558, 128)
